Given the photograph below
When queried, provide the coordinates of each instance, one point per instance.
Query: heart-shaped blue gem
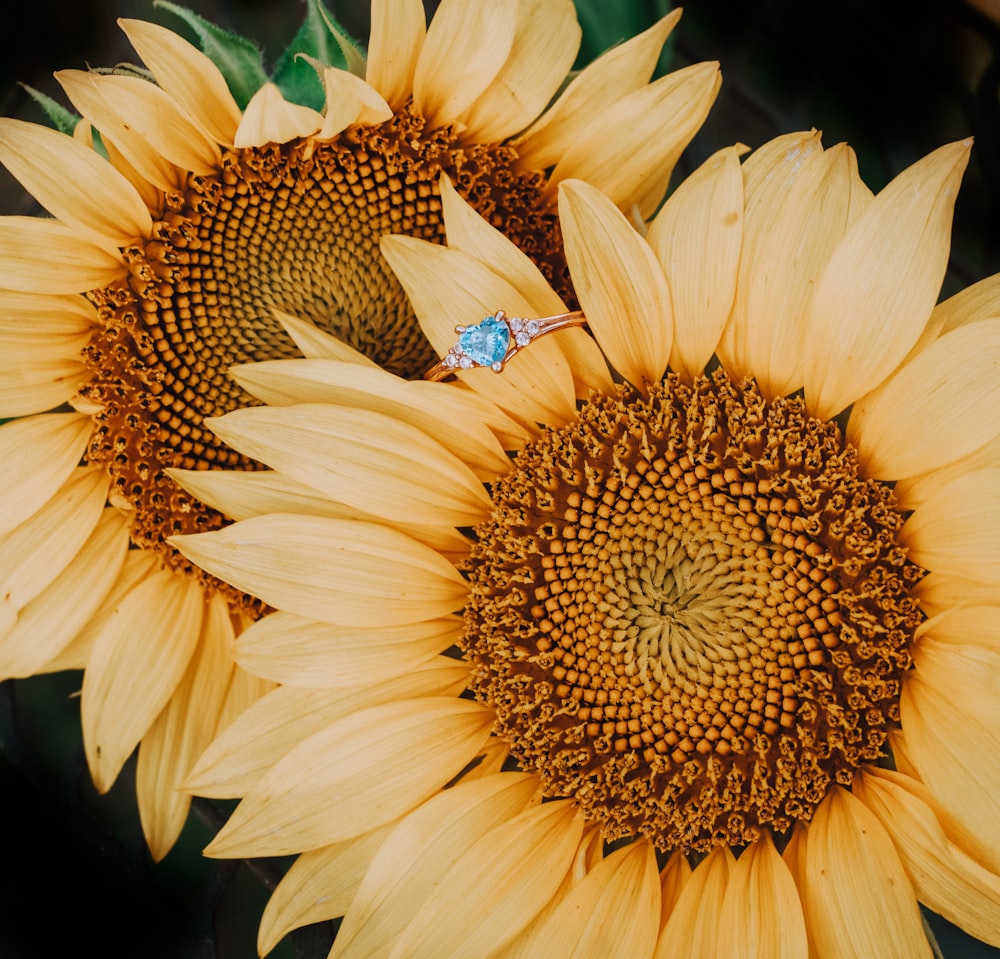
(486, 343)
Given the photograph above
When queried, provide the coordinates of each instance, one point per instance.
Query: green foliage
(607, 23)
(62, 119)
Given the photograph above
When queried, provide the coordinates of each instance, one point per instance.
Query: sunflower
(186, 227)
(726, 659)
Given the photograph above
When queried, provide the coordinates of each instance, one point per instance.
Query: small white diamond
(522, 339)
(465, 362)
(533, 327)
(515, 324)
(451, 360)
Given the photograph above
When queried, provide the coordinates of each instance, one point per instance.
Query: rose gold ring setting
(497, 338)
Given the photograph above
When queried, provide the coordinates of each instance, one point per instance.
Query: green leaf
(239, 58)
(63, 120)
(606, 24)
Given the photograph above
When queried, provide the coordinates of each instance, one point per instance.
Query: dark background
(893, 78)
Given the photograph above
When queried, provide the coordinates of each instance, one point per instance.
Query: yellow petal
(156, 117)
(357, 774)
(349, 100)
(940, 593)
(270, 118)
(537, 384)
(470, 233)
(50, 621)
(619, 71)
(762, 908)
(643, 132)
(875, 295)
(957, 532)
(798, 210)
(242, 495)
(34, 553)
(943, 404)
(337, 571)
(674, 877)
(188, 76)
(368, 460)
(462, 422)
(693, 926)
(319, 885)
(614, 910)
(288, 649)
(182, 731)
(924, 486)
(697, 238)
(419, 851)
(965, 626)
(317, 345)
(73, 183)
(500, 882)
(44, 315)
(45, 256)
(37, 455)
(945, 878)
(286, 716)
(979, 301)
(467, 44)
(858, 899)
(398, 28)
(545, 45)
(39, 387)
(137, 661)
(620, 284)
(124, 143)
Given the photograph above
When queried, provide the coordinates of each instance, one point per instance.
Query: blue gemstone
(486, 343)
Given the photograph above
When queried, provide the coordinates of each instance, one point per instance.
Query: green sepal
(607, 24)
(239, 58)
(319, 41)
(60, 117)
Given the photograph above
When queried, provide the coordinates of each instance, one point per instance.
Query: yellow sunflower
(180, 252)
(728, 633)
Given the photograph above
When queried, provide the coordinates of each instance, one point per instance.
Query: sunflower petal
(337, 571)
(37, 455)
(51, 166)
(191, 79)
(693, 927)
(320, 885)
(921, 488)
(980, 301)
(875, 295)
(418, 852)
(45, 256)
(763, 909)
(368, 460)
(182, 730)
(697, 237)
(620, 284)
(944, 877)
(317, 345)
(270, 118)
(288, 715)
(355, 775)
(674, 877)
(467, 44)
(501, 880)
(851, 911)
(537, 385)
(288, 649)
(957, 532)
(467, 430)
(909, 424)
(598, 87)
(645, 131)
(137, 661)
(49, 622)
(398, 28)
(349, 100)
(470, 233)
(614, 909)
(545, 45)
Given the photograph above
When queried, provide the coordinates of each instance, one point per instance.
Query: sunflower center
(690, 612)
(293, 227)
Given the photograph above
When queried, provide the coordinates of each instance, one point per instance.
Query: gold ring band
(492, 342)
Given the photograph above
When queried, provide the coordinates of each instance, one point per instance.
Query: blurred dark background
(893, 78)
